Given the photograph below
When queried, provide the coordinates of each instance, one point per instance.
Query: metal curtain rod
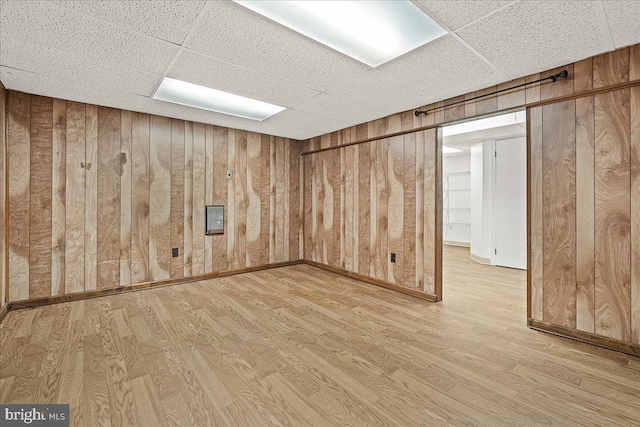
(561, 75)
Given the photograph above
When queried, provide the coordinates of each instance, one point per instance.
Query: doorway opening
(484, 201)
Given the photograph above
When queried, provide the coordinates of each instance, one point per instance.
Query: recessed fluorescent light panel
(372, 32)
(488, 123)
(206, 98)
(450, 150)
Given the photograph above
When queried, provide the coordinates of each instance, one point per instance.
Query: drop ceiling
(115, 53)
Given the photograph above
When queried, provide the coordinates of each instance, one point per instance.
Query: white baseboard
(454, 243)
(480, 260)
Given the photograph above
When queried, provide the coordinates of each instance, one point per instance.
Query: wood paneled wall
(98, 197)
(366, 201)
(3, 199)
(584, 195)
(585, 184)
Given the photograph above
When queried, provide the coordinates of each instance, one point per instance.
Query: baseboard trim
(480, 260)
(3, 312)
(377, 282)
(57, 299)
(454, 243)
(585, 337)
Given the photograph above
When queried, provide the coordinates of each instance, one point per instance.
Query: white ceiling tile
(456, 14)
(529, 37)
(329, 106)
(72, 90)
(624, 21)
(51, 25)
(308, 121)
(166, 20)
(234, 34)
(203, 70)
(443, 68)
(381, 92)
(20, 54)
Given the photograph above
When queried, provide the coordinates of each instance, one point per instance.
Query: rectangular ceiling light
(372, 32)
(488, 123)
(206, 98)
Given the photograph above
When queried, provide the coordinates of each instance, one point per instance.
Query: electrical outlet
(174, 252)
(393, 257)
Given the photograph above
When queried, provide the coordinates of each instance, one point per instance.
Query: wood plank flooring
(303, 346)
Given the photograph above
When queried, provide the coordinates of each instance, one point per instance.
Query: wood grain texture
(140, 197)
(265, 201)
(108, 200)
(125, 197)
(199, 165)
(396, 208)
(611, 68)
(583, 75)
(559, 213)
(58, 196)
(279, 198)
(91, 198)
(536, 212)
(40, 197)
(585, 215)
(253, 218)
(364, 205)
(176, 166)
(74, 200)
(429, 208)
(240, 201)
(188, 200)
(210, 146)
(612, 215)
(159, 198)
(19, 154)
(511, 98)
(409, 202)
(217, 165)
(635, 210)
(399, 360)
(229, 184)
(419, 211)
(381, 264)
(294, 201)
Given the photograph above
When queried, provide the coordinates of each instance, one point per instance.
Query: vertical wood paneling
(4, 239)
(532, 92)
(19, 150)
(74, 199)
(307, 172)
(231, 233)
(254, 174)
(511, 98)
(364, 205)
(58, 196)
(287, 201)
(611, 68)
(395, 213)
(559, 218)
(160, 198)
(488, 104)
(635, 210)
(40, 212)
(536, 213)
(316, 203)
(177, 197)
(419, 205)
(294, 201)
(382, 209)
(108, 201)
(91, 198)
(208, 200)
(125, 198)
(409, 232)
(219, 163)
(585, 215)
(279, 199)
(583, 75)
(612, 215)
(429, 209)
(347, 209)
(272, 200)
(335, 190)
(140, 202)
(188, 199)
(199, 165)
(265, 200)
(240, 200)
(549, 89)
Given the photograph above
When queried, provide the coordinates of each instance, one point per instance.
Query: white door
(510, 203)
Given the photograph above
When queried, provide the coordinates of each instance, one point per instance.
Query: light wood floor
(301, 346)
